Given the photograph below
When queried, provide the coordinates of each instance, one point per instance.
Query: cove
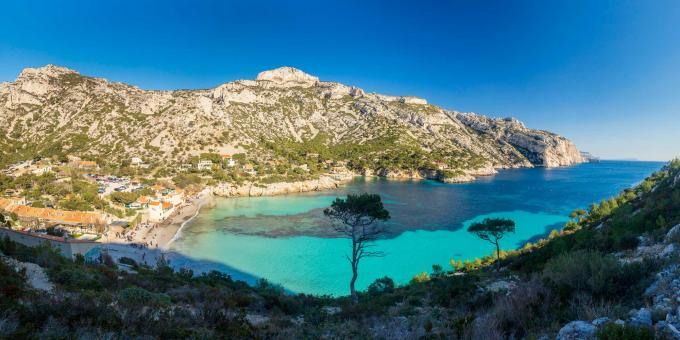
(286, 240)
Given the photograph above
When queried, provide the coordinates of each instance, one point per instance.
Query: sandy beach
(164, 233)
(147, 242)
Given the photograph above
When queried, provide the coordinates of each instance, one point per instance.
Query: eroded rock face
(286, 74)
(541, 148)
(273, 189)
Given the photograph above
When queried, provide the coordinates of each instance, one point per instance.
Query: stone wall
(67, 248)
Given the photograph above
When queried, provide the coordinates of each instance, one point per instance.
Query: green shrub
(140, 297)
(590, 272)
(612, 331)
(382, 285)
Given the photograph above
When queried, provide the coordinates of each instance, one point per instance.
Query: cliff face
(52, 110)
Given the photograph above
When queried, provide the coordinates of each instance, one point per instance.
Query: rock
(286, 74)
(500, 286)
(280, 188)
(641, 317)
(577, 330)
(673, 234)
(356, 92)
(600, 321)
(672, 331)
(331, 310)
(668, 251)
(413, 100)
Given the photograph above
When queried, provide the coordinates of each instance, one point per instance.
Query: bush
(613, 331)
(140, 297)
(590, 272)
(383, 285)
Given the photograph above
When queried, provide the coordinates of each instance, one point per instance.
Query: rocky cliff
(54, 110)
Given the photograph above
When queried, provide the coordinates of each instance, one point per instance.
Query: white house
(136, 161)
(176, 198)
(204, 164)
(159, 211)
(231, 162)
(42, 170)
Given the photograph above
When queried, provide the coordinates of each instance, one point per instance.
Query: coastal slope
(284, 114)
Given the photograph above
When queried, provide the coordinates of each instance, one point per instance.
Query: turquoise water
(286, 239)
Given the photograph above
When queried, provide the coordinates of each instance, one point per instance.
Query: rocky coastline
(333, 181)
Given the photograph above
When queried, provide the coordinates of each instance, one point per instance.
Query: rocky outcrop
(541, 148)
(284, 75)
(281, 188)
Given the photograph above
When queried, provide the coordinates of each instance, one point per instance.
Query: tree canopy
(491, 229)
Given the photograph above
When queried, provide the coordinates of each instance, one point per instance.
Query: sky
(605, 74)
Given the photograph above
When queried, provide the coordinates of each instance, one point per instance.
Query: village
(75, 202)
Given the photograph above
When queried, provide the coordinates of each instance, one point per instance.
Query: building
(143, 201)
(228, 160)
(42, 170)
(204, 164)
(135, 161)
(42, 217)
(160, 210)
(176, 197)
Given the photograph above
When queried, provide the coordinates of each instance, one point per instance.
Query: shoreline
(155, 240)
(150, 242)
(170, 229)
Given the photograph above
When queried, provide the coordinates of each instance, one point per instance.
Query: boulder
(600, 321)
(669, 250)
(577, 330)
(673, 234)
(641, 317)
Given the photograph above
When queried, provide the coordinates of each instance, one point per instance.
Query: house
(176, 197)
(42, 170)
(228, 160)
(135, 161)
(143, 201)
(204, 164)
(53, 216)
(160, 210)
(133, 205)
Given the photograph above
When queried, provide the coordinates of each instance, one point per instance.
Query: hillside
(612, 273)
(283, 115)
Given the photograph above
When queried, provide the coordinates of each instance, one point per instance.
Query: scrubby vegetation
(573, 274)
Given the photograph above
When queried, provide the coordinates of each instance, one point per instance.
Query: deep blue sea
(286, 239)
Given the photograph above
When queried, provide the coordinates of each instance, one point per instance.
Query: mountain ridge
(110, 121)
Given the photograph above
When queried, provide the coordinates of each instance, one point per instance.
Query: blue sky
(604, 73)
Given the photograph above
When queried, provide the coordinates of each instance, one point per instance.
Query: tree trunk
(353, 292)
(355, 265)
(498, 256)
